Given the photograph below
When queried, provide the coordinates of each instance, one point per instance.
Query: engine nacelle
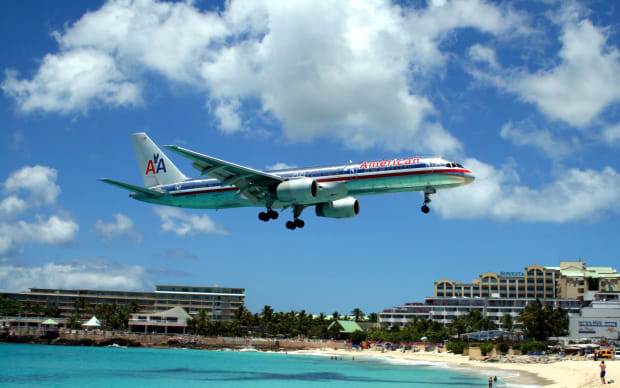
(342, 208)
(297, 190)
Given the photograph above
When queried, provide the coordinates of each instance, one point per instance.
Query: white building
(600, 318)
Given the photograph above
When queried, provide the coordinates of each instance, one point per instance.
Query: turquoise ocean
(69, 366)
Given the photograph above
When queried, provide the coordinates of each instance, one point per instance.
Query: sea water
(70, 366)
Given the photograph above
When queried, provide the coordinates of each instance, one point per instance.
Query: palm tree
(74, 320)
(507, 322)
(335, 315)
(357, 313)
(373, 317)
(80, 305)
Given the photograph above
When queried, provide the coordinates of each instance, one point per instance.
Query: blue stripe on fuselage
(319, 173)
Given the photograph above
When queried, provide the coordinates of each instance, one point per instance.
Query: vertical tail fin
(155, 167)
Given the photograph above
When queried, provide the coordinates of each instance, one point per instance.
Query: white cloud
(280, 166)
(123, 227)
(484, 54)
(579, 86)
(54, 230)
(183, 224)
(72, 81)
(544, 140)
(40, 181)
(576, 195)
(11, 206)
(92, 274)
(611, 134)
(226, 113)
(338, 70)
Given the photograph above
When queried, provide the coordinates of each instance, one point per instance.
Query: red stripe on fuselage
(386, 175)
(389, 175)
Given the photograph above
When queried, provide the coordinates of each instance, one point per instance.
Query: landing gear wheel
(299, 223)
(272, 214)
(290, 225)
(263, 216)
(425, 209)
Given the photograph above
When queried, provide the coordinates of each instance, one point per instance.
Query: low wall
(103, 338)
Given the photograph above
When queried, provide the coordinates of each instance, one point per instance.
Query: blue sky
(526, 94)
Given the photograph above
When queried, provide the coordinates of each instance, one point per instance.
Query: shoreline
(560, 374)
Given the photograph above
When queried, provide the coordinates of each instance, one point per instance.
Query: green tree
(80, 305)
(358, 336)
(373, 317)
(507, 322)
(74, 320)
(358, 314)
(200, 323)
(543, 321)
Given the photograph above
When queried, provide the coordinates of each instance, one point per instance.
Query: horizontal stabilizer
(134, 188)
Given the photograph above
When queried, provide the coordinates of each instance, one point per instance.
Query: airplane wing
(254, 184)
(136, 189)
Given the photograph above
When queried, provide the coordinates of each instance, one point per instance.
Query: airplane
(330, 189)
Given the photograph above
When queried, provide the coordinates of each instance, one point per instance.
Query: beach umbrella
(424, 338)
(49, 322)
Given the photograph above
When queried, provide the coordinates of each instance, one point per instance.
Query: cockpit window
(458, 165)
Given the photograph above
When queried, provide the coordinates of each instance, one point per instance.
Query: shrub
(486, 348)
(456, 347)
(503, 347)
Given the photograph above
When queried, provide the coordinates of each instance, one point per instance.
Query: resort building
(445, 310)
(167, 322)
(599, 318)
(220, 303)
(497, 294)
(570, 280)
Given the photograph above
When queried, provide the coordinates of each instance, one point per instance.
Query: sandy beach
(561, 374)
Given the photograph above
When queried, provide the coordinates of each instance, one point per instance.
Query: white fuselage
(334, 182)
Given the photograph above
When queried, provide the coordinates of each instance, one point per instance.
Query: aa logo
(156, 161)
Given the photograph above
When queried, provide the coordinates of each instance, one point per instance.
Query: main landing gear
(268, 215)
(427, 198)
(297, 222)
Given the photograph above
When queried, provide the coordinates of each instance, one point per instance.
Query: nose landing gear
(427, 198)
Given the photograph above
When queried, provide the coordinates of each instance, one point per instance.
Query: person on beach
(490, 382)
(602, 366)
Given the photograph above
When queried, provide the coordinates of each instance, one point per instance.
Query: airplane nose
(469, 177)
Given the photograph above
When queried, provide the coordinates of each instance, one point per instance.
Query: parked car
(605, 353)
(617, 355)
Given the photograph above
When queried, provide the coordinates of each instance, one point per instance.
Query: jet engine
(341, 208)
(297, 190)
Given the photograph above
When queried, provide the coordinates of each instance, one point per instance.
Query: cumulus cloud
(183, 224)
(553, 147)
(280, 166)
(575, 89)
(53, 230)
(39, 181)
(123, 227)
(85, 274)
(611, 134)
(576, 195)
(484, 54)
(11, 206)
(70, 82)
(339, 70)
